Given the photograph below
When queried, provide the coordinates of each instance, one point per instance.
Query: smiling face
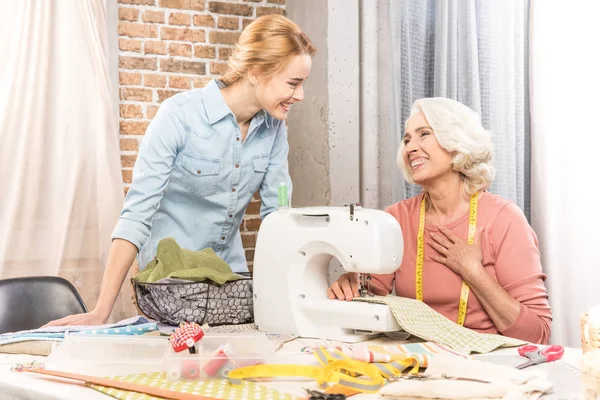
(425, 159)
(277, 93)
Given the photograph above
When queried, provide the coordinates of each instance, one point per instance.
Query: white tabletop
(16, 385)
(23, 386)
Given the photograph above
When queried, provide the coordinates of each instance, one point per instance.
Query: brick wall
(169, 46)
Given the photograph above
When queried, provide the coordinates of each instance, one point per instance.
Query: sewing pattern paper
(221, 389)
(422, 321)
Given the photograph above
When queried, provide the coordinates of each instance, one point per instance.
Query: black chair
(30, 302)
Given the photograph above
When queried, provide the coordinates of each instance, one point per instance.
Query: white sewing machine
(293, 251)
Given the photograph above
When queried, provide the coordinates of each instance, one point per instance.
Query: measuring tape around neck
(464, 291)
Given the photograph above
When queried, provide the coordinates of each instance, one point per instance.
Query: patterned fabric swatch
(423, 352)
(221, 389)
(130, 326)
(422, 321)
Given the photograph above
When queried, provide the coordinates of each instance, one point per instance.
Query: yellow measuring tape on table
(336, 369)
(464, 291)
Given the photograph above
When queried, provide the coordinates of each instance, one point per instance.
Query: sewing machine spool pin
(353, 208)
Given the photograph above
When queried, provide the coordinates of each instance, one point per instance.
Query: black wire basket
(200, 302)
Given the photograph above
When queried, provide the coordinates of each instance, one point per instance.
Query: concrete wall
(308, 121)
(324, 129)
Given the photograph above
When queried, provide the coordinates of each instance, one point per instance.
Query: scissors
(538, 356)
(317, 395)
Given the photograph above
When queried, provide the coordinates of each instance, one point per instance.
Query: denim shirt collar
(216, 107)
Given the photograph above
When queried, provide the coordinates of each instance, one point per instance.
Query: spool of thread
(173, 374)
(227, 368)
(218, 360)
(282, 195)
(190, 369)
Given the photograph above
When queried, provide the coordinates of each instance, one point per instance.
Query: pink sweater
(510, 255)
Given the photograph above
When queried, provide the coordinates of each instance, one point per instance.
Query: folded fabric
(173, 261)
(131, 326)
(480, 380)
(422, 321)
(31, 347)
(423, 352)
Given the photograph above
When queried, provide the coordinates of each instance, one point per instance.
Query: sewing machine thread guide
(352, 209)
(365, 285)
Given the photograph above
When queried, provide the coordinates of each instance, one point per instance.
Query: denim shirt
(194, 176)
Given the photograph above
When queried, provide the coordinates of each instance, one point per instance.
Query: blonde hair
(458, 130)
(269, 43)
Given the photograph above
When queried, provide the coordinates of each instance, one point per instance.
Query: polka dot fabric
(124, 330)
(221, 389)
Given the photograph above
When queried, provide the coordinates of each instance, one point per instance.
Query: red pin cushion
(186, 336)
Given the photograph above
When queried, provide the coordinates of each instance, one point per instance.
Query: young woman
(493, 285)
(206, 153)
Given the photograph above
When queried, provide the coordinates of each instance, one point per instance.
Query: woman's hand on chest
(456, 253)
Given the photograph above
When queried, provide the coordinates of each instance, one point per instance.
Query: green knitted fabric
(173, 261)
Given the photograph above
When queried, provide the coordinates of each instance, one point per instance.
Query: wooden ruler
(153, 391)
(132, 387)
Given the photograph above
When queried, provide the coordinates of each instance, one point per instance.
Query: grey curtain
(471, 51)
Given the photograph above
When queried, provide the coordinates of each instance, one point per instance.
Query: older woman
(469, 254)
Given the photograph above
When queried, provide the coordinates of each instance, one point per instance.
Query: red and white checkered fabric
(186, 336)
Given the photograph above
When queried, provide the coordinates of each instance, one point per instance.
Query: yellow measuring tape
(464, 290)
(336, 369)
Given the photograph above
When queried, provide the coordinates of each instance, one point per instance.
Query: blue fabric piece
(194, 176)
(131, 326)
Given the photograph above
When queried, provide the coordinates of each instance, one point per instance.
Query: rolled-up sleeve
(277, 172)
(164, 137)
(519, 271)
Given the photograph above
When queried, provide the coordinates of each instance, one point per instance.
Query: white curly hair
(458, 130)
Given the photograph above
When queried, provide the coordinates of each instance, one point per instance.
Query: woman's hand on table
(87, 319)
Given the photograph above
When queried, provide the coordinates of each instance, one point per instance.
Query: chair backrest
(30, 302)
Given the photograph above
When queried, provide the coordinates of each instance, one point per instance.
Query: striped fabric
(422, 352)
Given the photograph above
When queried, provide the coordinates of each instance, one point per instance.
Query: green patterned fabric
(420, 320)
(220, 389)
